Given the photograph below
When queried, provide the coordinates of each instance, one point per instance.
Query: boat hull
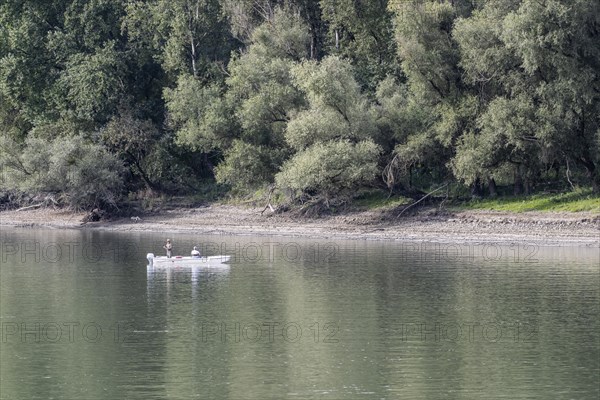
(187, 262)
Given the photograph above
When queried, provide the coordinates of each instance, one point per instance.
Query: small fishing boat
(187, 262)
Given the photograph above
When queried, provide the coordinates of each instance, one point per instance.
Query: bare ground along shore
(542, 228)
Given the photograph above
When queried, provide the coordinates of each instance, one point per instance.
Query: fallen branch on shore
(47, 200)
(420, 200)
(271, 190)
(31, 207)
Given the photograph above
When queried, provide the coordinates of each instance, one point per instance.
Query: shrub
(330, 168)
(85, 174)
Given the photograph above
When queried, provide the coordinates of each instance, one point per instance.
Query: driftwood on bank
(420, 200)
(45, 203)
(31, 207)
(271, 190)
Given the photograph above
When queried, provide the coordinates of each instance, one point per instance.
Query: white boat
(187, 262)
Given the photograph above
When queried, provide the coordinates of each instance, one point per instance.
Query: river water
(83, 317)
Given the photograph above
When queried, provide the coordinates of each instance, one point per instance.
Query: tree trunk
(316, 44)
(476, 189)
(518, 182)
(193, 45)
(527, 186)
(595, 179)
(192, 41)
(149, 184)
(586, 159)
(590, 169)
(207, 162)
(492, 187)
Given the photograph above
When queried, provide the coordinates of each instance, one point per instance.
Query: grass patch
(580, 200)
(374, 200)
(256, 198)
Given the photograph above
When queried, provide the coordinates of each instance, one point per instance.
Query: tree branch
(421, 199)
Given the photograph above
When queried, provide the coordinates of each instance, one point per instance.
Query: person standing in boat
(168, 247)
(196, 252)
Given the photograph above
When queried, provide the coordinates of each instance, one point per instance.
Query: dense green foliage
(104, 98)
(85, 173)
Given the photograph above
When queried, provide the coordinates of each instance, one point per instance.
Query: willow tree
(334, 137)
(482, 151)
(558, 43)
(81, 174)
(535, 65)
(363, 32)
(185, 36)
(260, 91)
(430, 61)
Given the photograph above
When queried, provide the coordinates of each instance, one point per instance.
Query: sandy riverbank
(551, 229)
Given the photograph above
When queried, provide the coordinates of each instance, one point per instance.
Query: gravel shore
(542, 228)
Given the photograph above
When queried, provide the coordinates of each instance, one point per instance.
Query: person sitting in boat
(168, 247)
(195, 252)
